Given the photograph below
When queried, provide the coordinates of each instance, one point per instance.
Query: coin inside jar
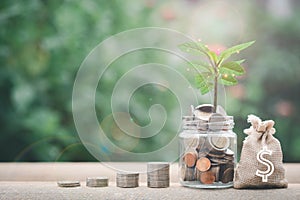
(190, 159)
(203, 164)
(203, 111)
(228, 175)
(219, 142)
(207, 177)
(216, 122)
(191, 142)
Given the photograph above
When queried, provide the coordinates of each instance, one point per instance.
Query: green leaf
(235, 49)
(195, 48)
(202, 83)
(213, 56)
(198, 65)
(228, 79)
(240, 61)
(232, 68)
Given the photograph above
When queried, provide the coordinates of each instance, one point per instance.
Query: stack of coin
(68, 183)
(97, 182)
(127, 180)
(158, 174)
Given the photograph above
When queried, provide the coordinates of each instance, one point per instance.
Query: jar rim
(216, 124)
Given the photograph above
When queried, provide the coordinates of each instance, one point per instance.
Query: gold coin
(203, 164)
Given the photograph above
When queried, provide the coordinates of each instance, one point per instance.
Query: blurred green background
(43, 43)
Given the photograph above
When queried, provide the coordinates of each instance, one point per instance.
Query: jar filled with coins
(207, 149)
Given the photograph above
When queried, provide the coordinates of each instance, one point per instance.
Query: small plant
(215, 70)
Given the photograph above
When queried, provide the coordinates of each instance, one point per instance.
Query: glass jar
(207, 152)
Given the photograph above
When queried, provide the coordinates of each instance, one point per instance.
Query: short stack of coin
(158, 174)
(68, 183)
(127, 180)
(97, 182)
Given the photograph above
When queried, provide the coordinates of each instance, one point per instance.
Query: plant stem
(215, 67)
(215, 93)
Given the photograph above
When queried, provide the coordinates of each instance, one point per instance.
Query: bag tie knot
(260, 126)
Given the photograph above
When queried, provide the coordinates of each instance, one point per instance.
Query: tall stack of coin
(206, 157)
(97, 182)
(158, 174)
(127, 180)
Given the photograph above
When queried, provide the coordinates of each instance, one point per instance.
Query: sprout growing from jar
(216, 69)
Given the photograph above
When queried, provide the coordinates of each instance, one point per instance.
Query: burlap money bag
(260, 165)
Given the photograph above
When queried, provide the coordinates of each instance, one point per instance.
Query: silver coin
(153, 166)
(188, 118)
(216, 171)
(221, 110)
(217, 122)
(125, 174)
(229, 152)
(127, 185)
(159, 172)
(158, 184)
(219, 142)
(229, 158)
(97, 181)
(158, 178)
(216, 153)
(219, 160)
(203, 111)
(189, 174)
(68, 183)
(158, 175)
(127, 180)
(191, 142)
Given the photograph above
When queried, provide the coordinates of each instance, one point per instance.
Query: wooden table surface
(38, 181)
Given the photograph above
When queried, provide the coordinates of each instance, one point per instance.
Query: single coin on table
(203, 164)
(68, 183)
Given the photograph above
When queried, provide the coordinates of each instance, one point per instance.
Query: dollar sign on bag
(270, 167)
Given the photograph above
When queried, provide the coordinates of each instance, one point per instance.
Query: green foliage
(196, 48)
(43, 43)
(204, 82)
(232, 50)
(42, 46)
(218, 72)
